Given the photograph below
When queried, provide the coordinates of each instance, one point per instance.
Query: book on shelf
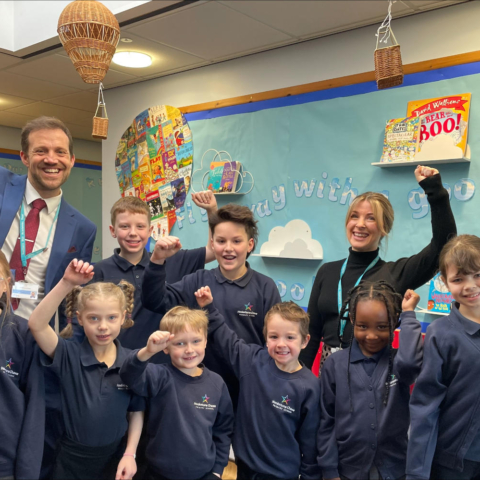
(401, 139)
(439, 298)
(223, 176)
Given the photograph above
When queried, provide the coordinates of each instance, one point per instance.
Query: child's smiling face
(371, 326)
(285, 342)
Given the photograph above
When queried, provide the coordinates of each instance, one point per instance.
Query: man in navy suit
(47, 152)
(61, 233)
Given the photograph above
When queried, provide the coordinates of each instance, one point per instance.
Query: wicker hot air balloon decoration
(89, 32)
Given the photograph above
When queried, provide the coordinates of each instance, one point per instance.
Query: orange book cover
(444, 125)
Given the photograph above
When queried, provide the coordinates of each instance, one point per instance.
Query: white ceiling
(198, 34)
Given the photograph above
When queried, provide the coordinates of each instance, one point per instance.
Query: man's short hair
(130, 205)
(44, 123)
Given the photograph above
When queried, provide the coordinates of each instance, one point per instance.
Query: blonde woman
(369, 220)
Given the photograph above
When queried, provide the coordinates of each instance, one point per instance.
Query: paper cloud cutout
(441, 147)
(292, 241)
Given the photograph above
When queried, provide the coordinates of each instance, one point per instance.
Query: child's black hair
(382, 292)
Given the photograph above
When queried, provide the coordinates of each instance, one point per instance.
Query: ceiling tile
(210, 31)
(65, 114)
(28, 87)
(306, 18)
(164, 58)
(59, 69)
(86, 100)
(14, 120)
(10, 101)
(429, 4)
(8, 60)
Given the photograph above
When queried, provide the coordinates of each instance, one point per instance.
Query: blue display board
(83, 190)
(310, 154)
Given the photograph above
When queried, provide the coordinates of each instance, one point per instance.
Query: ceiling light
(126, 40)
(132, 59)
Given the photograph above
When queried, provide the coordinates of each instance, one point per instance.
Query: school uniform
(115, 268)
(95, 403)
(22, 400)
(445, 404)
(357, 431)
(278, 412)
(242, 302)
(190, 419)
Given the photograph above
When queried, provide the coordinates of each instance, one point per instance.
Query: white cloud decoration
(294, 240)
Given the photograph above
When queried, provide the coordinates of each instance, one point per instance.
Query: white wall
(439, 33)
(83, 149)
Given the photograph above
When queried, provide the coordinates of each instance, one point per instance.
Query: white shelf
(422, 162)
(424, 310)
(229, 193)
(286, 258)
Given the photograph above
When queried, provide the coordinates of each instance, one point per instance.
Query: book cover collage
(154, 163)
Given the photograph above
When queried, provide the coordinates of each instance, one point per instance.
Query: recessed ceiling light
(132, 59)
(126, 40)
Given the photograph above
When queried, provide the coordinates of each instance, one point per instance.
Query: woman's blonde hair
(462, 252)
(6, 274)
(381, 207)
(179, 319)
(77, 298)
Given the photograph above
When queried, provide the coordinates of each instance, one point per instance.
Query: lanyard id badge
(343, 322)
(25, 290)
(23, 254)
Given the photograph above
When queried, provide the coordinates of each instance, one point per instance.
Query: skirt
(81, 462)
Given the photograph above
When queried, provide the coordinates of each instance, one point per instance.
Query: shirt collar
(470, 327)
(88, 358)
(356, 354)
(125, 265)
(31, 195)
(241, 282)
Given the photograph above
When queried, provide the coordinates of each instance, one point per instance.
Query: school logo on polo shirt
(122, 386)
(284, 404)
(204, 404)
(393, 380)
(8, 369)
(248, 312)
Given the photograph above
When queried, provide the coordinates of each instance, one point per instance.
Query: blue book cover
(439, 298)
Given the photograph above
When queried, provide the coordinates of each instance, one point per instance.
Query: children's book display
(224, 176)
(435, 130)
(439, 298)
(154, 163)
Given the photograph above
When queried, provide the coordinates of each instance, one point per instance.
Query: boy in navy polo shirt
(242, 295)
(278, 408)
(131, 227)
(191, 415)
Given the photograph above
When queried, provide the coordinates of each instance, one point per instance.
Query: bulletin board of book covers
(154, 163)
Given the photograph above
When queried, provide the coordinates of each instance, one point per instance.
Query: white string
(386, 23)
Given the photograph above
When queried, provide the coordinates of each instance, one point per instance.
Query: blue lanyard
(339, 292)
(22, 238)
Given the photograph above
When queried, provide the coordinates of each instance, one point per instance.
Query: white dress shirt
(38, 265)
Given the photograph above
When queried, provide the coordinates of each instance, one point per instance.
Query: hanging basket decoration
(89, 32)
(100, 124)
(388, 60)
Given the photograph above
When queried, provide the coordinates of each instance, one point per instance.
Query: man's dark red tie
(32, 223)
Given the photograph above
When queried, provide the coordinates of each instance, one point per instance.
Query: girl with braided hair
(95, 401)
(365, 389)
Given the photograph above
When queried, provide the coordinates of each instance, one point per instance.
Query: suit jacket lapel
(66, 224)
(11, 201)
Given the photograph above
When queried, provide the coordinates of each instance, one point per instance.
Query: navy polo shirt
(95, 401)
(116, 268)
(368, 363)
(473, 331)
(22, 402)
